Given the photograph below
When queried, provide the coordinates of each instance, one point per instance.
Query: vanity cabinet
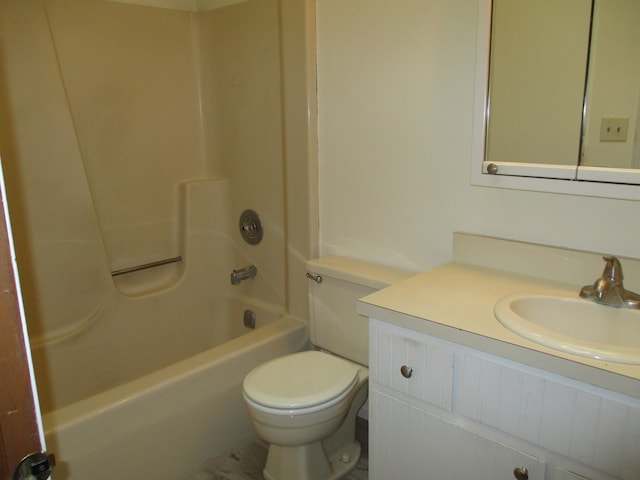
(410, 442)
(439, 410)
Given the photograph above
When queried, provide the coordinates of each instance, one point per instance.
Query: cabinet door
(409, 443)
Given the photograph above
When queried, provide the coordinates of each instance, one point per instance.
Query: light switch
(614, 129)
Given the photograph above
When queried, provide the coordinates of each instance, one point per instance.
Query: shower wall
(130, 74)
(107, 107)
(59, 248)
(242, 105)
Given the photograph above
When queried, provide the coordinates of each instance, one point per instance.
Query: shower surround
(136, 134)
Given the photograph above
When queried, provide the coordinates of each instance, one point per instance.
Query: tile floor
(247, 462)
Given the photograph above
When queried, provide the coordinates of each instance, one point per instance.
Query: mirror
(612, 123)
(562, 90)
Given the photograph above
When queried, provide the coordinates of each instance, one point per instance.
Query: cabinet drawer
(412, 364)
(412, 444)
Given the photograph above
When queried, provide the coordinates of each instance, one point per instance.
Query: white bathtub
(165, 425)
(147, 385)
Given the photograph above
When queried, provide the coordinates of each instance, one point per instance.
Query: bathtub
(146, 383)
(166, 425)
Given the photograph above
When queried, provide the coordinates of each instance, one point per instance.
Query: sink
(573, 325)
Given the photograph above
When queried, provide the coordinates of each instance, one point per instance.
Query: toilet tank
(334, 323)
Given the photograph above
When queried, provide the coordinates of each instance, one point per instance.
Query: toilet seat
(300, 381)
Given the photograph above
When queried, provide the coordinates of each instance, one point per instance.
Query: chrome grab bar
(137, 268)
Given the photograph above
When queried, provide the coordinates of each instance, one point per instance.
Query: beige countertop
(455, 302)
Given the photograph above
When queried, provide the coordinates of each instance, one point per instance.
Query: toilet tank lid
(369, 274)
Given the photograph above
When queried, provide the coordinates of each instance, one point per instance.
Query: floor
(247, 462)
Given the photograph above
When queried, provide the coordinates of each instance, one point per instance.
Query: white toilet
(305, 404)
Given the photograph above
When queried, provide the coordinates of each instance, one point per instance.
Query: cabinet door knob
(521, 473)
(406, 371)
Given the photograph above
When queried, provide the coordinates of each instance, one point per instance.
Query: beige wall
(395, 86)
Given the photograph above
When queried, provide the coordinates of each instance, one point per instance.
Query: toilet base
(329, 459)
(310, 462)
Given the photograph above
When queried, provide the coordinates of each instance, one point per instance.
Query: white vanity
(456, 395)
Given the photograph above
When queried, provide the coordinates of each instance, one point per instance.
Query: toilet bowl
(305, 404)
(298, 401)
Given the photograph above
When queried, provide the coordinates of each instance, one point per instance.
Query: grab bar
(137, 268)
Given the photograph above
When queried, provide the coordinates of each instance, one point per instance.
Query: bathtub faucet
(237, 276)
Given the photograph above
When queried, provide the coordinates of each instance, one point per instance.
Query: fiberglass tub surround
(198, 310)
(127, 149)
(136, 135)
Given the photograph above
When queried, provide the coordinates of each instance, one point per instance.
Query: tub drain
(249, 319)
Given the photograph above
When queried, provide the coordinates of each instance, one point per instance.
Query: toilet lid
(300, 380)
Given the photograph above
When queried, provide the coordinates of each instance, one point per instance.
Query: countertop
(455, 302)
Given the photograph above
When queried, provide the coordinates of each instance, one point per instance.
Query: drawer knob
(521, 473)
(406, 371)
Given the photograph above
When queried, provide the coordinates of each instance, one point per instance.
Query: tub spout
(237, 276)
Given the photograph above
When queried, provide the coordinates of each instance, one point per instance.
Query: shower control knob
(406, 371)
(250, 227)
(521, 473)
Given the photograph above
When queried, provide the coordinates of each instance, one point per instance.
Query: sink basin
(573, 325)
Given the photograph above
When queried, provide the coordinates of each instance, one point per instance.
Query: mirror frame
(562, 179)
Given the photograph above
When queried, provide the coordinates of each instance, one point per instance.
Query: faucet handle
(613, 269)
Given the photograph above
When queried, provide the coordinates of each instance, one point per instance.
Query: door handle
(36, 466)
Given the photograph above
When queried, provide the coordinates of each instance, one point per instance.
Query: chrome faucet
(608, 289)
(237, 276)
